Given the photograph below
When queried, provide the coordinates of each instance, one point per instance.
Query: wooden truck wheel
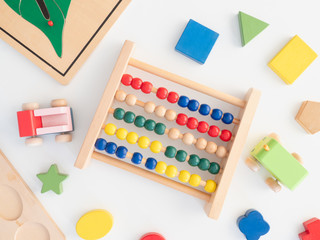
(298, 157)
(275, 136)
(34, 141)
(59, 103)
(273, 184)
(30, 106)
(62, 138)
(252, 164)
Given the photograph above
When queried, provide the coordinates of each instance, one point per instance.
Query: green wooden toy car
(286, 168)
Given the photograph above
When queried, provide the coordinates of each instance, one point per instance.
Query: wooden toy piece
(252, 225)
(34, 122)
(22, 215)
(230, 153)
(312, 228)
(285, 167)
(52, 180)
(36, 28)
(94, 224)
(250, 27)
(196, 41)
(152, 236)
(309, 116)
(292, 60)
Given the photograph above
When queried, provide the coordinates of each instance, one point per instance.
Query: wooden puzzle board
(22, 217)
(86, 24)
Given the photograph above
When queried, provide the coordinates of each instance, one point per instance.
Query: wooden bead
(211, 147)
(160, 111)
(149, 107)
(221, 151)
(201, 143)
(131, 100)
(120, 95)
(170, 115)
(187, 138)
(174, 133)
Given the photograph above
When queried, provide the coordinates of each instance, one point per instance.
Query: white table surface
(139, 205)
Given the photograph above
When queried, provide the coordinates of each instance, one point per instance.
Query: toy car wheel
(59, 103)
(62, 138)
(252, 164)
(273, 184)
(298, 157)
(275, 136)
(30, 106)
(34, 141)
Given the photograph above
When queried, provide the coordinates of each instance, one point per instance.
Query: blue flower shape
(252, 225)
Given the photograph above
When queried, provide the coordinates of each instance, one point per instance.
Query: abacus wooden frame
(228, 164)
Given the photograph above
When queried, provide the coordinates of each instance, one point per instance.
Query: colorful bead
(170, 152)
(183, 101)
(149, 107)
(193, 105)
(160, 111)
(136, 83)
(121, 152)
(120, 96)
(100, 144)
(216, 114)
(227, 118)
(146, 87)
(118, 113)
(174, 133)
(126, 79)
(203, 127)
(111, 147)
(131, 100)
(110, 129)
(188, 138)
(225, 135)
(211, 147)
(144, 142)
(136, 158)
(162, 93)
(194, 160)
(171, 171)
(214, 168)
(204, 109)
(181, 155)
(210, 186)
(161, 167)
(173, 97)
(195, 180)
(204, 164)
(182, 119)
(151, 163)
(170, 115)
(192, 123)
(129, 117)
(155, 146)
(149, 125)
(50, 23)
(132, 137)
(122, 133)
(201, 143)
(184, 176)
(160, 128)
(214, 131)
(221, 151)
(139, 121)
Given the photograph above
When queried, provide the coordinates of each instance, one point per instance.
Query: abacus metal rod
(187, 83)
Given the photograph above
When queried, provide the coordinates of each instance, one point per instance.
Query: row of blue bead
(193, 105)
(121, 152)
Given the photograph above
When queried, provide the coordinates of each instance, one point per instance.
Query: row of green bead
(139, 121)
(194, 160)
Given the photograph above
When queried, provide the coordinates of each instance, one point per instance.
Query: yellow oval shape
(94, 224)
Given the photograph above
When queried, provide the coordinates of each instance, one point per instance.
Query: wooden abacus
(215, 190)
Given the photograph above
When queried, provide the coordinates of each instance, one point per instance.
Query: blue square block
(196, 41)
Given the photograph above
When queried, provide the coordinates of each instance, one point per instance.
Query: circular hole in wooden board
(10, 203)
(32, 231)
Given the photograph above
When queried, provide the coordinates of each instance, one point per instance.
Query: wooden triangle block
(309, 116)
(250, 27)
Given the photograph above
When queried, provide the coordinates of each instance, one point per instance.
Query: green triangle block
(250, 27)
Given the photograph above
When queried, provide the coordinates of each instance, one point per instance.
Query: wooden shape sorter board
(85, 24)
(22, 217)
(164, 82)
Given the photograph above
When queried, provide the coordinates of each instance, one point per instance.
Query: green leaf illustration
(40, 12)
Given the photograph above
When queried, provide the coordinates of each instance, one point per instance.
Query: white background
(139, 205)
